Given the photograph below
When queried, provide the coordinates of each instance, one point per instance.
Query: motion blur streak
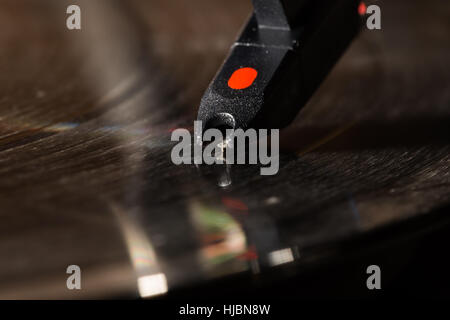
(150, 280)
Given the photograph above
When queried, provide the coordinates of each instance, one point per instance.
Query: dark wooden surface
(85, 121)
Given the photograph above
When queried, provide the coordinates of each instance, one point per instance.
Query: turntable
(86, 118)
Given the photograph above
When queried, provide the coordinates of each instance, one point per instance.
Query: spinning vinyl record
(86, 118)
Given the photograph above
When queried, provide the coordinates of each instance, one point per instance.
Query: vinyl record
(85, 139)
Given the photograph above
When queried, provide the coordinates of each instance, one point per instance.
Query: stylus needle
(283, 54)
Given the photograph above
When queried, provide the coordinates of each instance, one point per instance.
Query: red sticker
(362, 8)
(242, 78)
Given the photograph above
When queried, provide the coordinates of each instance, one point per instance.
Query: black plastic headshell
(281, 57)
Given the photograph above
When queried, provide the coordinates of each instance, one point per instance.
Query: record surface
(85, 124)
